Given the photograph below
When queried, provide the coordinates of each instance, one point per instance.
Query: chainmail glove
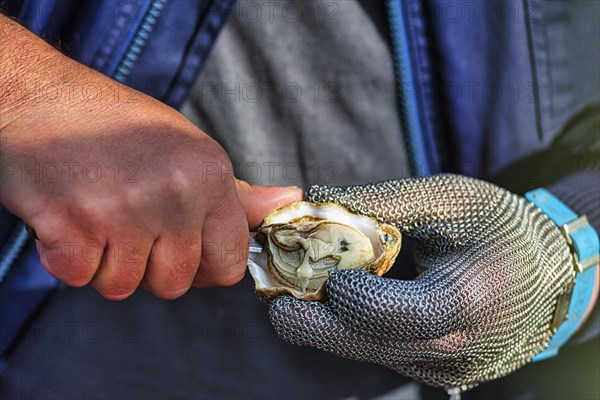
(493, 269)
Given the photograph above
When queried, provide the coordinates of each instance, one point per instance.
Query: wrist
(576, 301)
(28, 63)
(41, 87)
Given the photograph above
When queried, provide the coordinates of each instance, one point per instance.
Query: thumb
(259, 201)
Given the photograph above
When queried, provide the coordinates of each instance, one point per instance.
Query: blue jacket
(482, 85)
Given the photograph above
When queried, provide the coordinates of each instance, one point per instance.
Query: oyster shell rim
(388, 252)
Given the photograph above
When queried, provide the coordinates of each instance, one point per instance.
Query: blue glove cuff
(584, 243)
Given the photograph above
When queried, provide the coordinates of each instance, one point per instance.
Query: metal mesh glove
(493, 269)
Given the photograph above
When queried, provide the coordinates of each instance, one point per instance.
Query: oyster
(301, 243)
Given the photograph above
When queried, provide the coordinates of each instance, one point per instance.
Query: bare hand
(120, 189)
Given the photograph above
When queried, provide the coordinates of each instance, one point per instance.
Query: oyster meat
(301, 243)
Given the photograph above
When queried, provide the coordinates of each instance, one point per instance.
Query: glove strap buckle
(583, 241)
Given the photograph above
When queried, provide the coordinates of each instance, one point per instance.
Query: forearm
(39, 86)
(20, 52)
(33, 74)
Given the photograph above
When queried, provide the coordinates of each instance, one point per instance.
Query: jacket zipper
(412, 129)
(10, 251)
(139, 40)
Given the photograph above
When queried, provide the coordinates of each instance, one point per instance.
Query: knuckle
(72, 272)
(170, 286)
(67, 255)
(224, 264)
(180, 185)
(180, 273)
(127, 280)
(118, 284)
(90, 211)
(234, 273)
(173, 280)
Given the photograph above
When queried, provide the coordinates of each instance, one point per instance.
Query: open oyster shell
(302, 242)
